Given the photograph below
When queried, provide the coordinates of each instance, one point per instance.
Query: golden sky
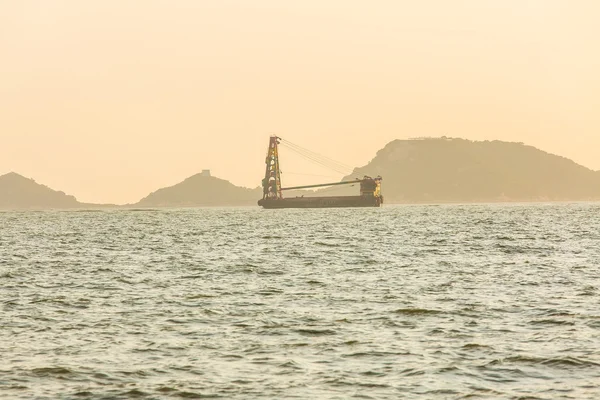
(109, 100)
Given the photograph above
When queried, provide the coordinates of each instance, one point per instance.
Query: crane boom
(322, 185)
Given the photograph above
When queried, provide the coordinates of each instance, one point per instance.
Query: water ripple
(461, 301)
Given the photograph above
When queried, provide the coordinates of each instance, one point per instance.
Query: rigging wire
(317, 158)
(315, 155)
(321, 163)
(299, 173)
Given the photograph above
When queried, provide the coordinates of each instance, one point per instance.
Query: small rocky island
(18, 192)
(201, 190)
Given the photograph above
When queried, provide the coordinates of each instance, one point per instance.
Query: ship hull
(321, 202)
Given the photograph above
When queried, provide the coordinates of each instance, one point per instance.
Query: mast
(272, 180)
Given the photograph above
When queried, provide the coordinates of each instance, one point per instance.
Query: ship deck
(321, 202)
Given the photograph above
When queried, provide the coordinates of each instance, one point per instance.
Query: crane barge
(370, 188)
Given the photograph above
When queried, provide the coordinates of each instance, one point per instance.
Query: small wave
(436, 331)
(15, 386)
(84, 393)
(416, 311)
(551, 322)
(327, 244)
(512, 249)
(166, 389)
(135, 393)
(557, 313)
(338, 382)
(292, 345)
(593, 324)
(269, 292)
(373, 385)
(273, 272)
(374, 354)
(444, 392)
(315, 332)
(290, 364)
(194, 395)
(588, 291)
(412, 372)
(475, 346)
(48, 371)
(559, 362)
(200, 296)
(373, 373)
(569, 362)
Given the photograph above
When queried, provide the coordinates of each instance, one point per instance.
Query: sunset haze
(111, 100)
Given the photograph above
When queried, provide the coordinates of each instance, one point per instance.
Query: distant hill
(201, 190)
(18, 192)
(459, 170)
(413, 171)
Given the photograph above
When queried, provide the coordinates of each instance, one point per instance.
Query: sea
(479, 301)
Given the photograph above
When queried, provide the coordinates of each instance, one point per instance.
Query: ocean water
(437, 302)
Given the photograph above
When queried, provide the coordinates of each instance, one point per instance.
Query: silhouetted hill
(201, 190)
(18, 192)
(421, 170)
(458, 170)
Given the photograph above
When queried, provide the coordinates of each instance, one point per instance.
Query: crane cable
(317, 158)
(320, 162)
(303, 174)
(316, 155)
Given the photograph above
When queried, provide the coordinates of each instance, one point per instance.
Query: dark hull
(322, 202)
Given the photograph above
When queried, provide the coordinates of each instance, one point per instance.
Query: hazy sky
(110, 100)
